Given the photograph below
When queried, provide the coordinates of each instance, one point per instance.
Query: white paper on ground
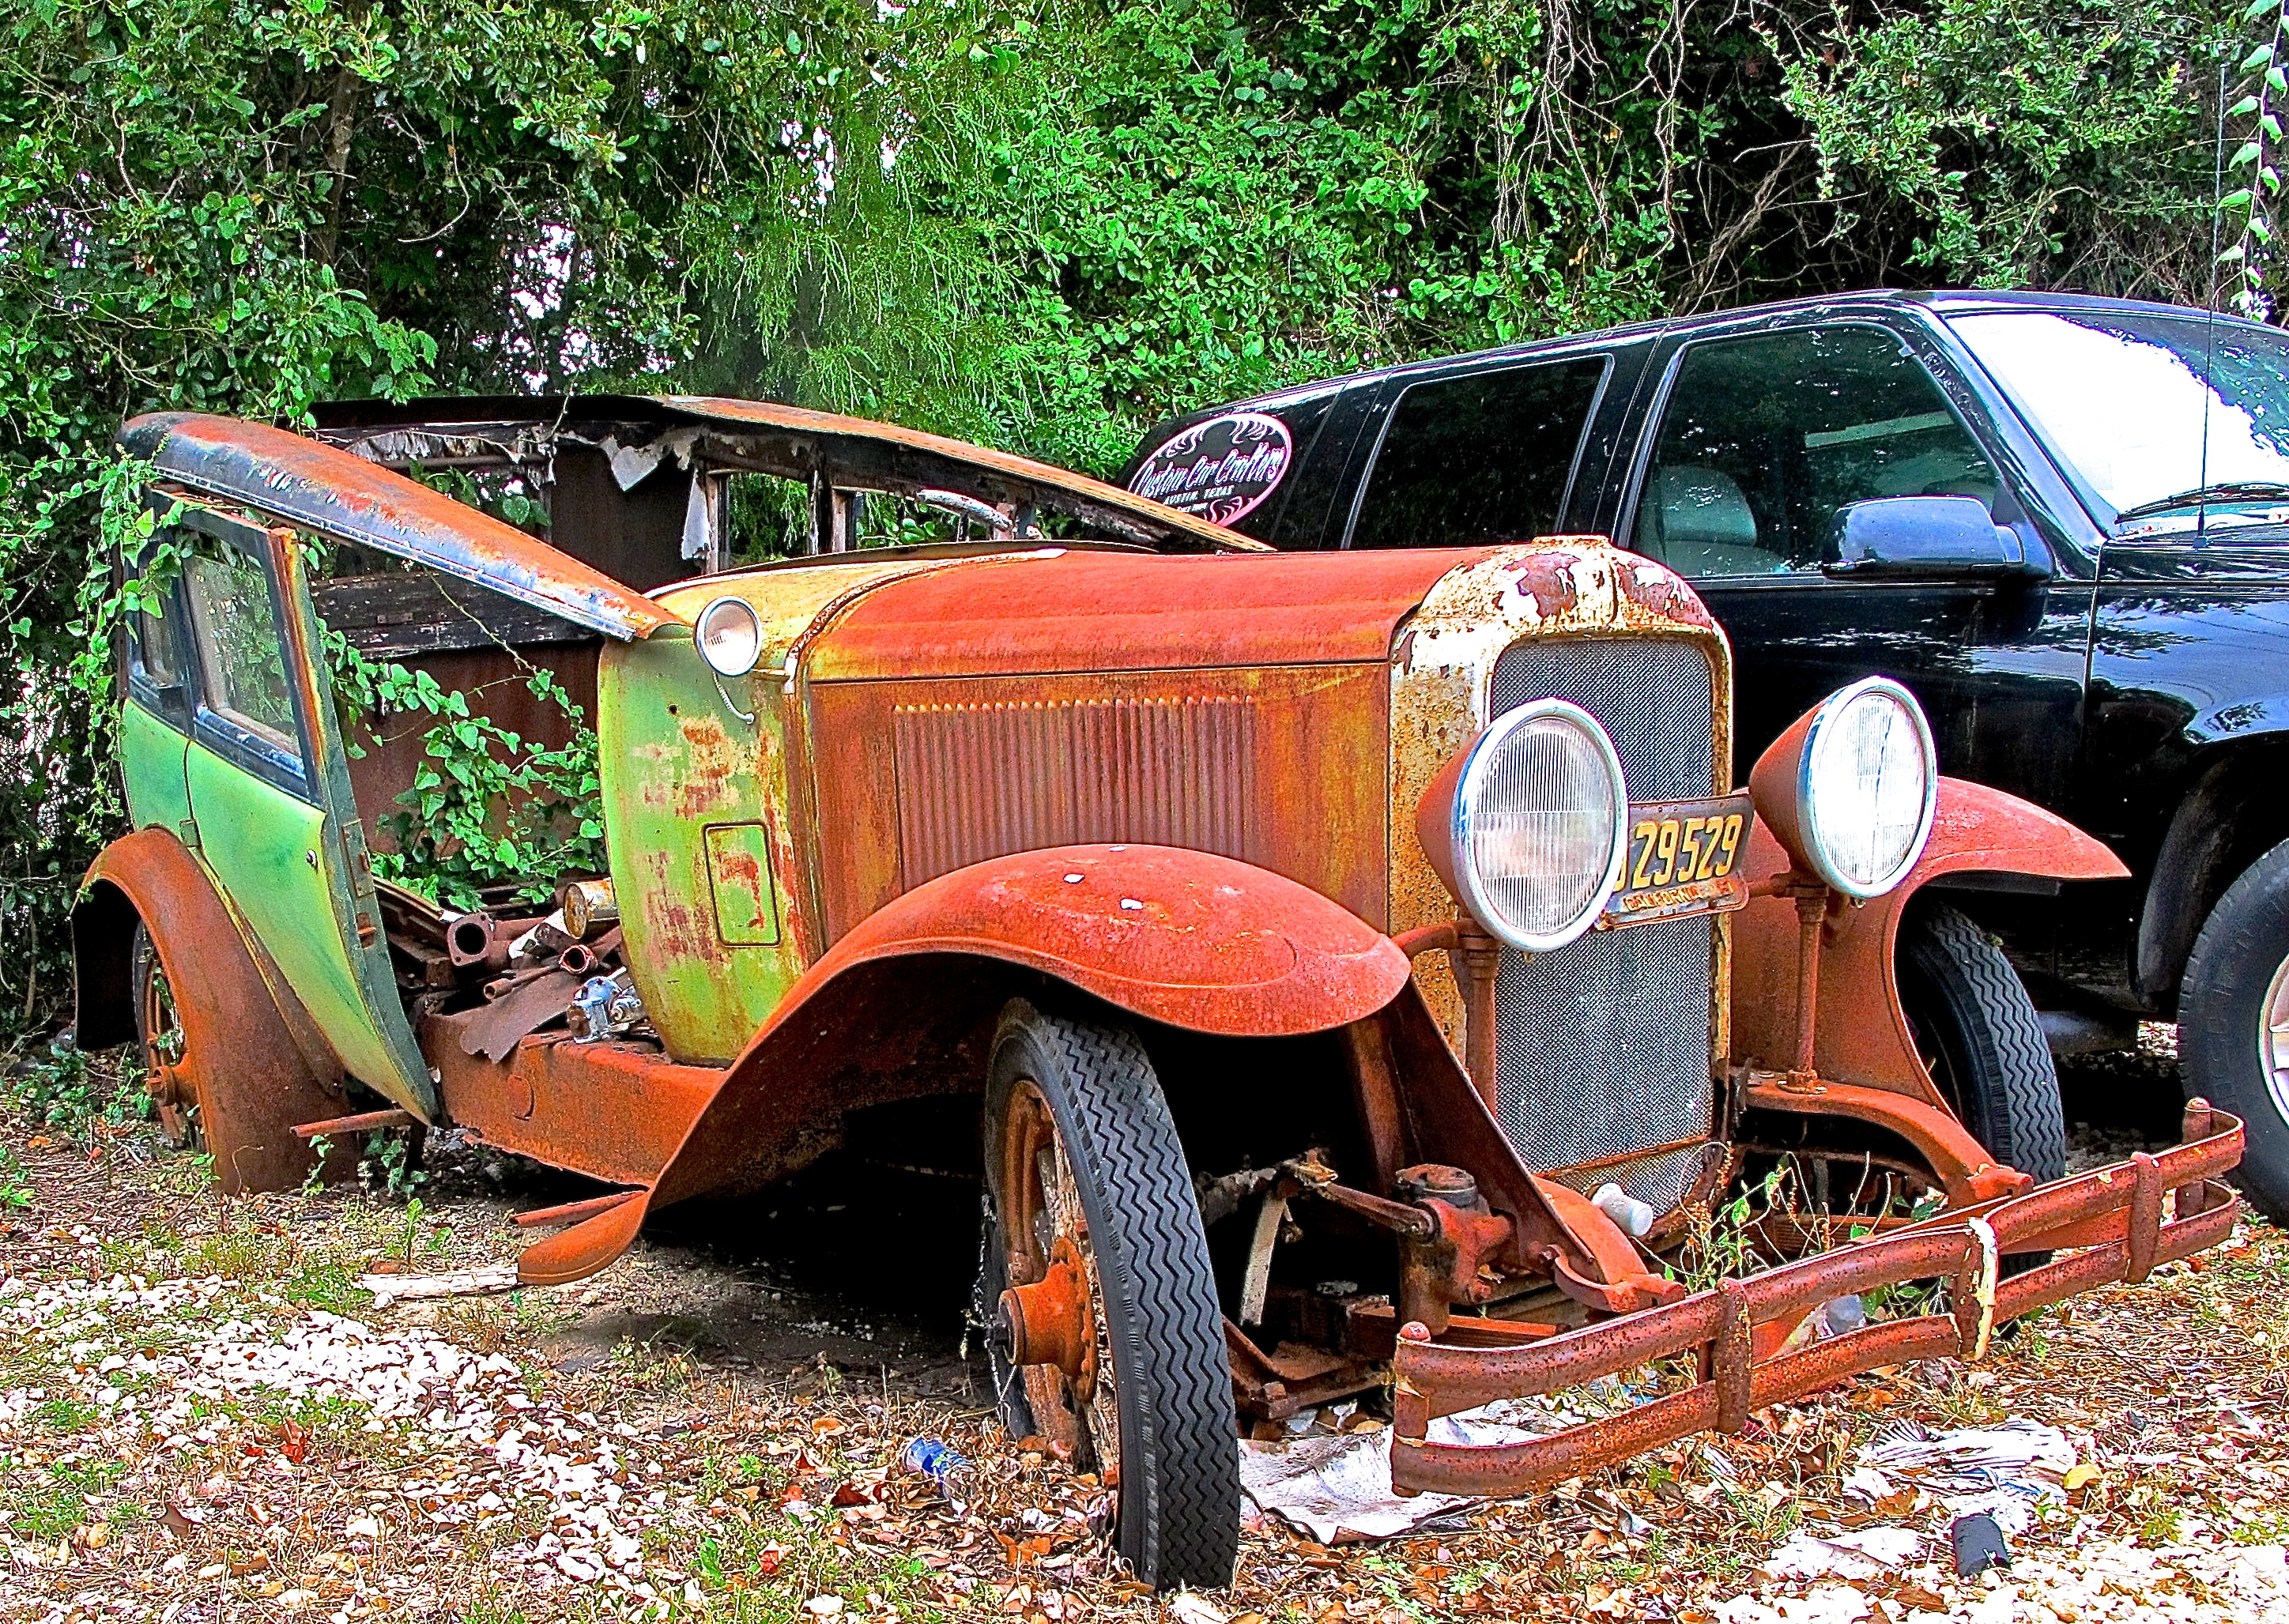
(2004, 1470)
(1862, 1555)
(1823, 1604)
(1338, 1488)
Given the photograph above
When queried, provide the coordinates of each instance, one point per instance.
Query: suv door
(1758, 440)
(1474, 458)
(268, 786)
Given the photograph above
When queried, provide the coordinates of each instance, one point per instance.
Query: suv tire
(2235, 998)
(1978, 1030)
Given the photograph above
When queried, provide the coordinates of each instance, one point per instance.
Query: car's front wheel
(2233, 1015)
(1105, 1331)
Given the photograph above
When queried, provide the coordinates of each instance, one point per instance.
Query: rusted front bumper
(2112, 1225)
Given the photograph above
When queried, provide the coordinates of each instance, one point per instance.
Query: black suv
(2062, 520)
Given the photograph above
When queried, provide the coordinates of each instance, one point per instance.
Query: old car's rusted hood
(1055, 610)
(343, 495)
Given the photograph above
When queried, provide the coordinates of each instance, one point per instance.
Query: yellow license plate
(1684, 857)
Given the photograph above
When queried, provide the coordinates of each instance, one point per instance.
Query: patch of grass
(55, 1501)
(241, 1253)
(65, 1415)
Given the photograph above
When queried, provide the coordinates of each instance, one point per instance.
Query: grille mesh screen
(1603, 1044)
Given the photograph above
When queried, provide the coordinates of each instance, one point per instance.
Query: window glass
(2151, 411)
(239, 646)
(1478, 460)
(157, 661)
(1765, 438)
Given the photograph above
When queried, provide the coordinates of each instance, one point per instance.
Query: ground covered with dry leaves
(202, 1417)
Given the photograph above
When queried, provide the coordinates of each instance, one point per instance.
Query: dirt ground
(202, 1417)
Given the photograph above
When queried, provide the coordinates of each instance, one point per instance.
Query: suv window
(240, 651)
(1481, 459)
(1765, 438)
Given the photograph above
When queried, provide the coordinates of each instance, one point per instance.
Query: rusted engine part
(2116, 1214)
(242, 1063)
(1540, 1230)
(604, 1007)
(523, 1001)
(587, 906)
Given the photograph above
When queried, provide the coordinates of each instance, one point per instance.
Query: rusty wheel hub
(1048, 1322)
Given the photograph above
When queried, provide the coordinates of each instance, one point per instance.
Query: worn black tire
(1177, 1522)
(1977, 1026)
(2222, 1019)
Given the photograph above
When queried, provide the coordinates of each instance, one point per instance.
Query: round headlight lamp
(730, 636)
(1867, 783)
(1539, 826)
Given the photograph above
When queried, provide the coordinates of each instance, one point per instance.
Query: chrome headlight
(730, 636)
(1867, 783)
(1540, 825)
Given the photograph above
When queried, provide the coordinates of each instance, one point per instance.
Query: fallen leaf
(823, 1606)
(2080, 1476)
(1190, 1607)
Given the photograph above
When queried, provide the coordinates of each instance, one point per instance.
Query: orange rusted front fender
(903, 1005)
(1187, 938)
(1863, 1037)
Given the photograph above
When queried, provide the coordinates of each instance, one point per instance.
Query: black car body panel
(2137, 683)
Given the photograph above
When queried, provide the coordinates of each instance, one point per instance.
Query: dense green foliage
(1043, 224)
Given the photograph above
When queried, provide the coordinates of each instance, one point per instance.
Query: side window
(1765, 438)
(1478, 460)
(246, 690)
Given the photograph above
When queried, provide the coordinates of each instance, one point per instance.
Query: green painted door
(268, 787)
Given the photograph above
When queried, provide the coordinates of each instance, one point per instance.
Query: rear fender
(239, 1024)
(904, 1005)
(1862, 1033)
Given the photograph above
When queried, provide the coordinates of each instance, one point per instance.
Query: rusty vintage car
(1363, 970)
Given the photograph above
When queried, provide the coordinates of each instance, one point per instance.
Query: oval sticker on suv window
(1220, 469)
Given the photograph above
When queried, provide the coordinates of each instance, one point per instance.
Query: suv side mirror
(1929, 535)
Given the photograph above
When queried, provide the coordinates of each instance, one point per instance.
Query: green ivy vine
(488, 810)
(2247, 211)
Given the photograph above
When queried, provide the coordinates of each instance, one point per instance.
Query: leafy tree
(1039, 223)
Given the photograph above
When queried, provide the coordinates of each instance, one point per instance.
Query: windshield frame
(2162, 528)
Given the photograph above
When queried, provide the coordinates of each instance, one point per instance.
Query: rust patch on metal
(240, 1064)
(982, 779)
(1441, 677)
(337, 492)
(2116, 1212)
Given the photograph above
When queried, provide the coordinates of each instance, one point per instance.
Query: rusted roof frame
(337, 493)
(638, 432)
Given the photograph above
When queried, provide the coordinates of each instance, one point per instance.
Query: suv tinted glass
(1765, 438)
(1478, 459)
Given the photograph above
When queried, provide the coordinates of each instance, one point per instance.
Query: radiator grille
(980, 781)
(1603, 1046)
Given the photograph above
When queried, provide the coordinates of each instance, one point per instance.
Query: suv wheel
(1105, 1336)
(2234, 1023)
(1978, 1031)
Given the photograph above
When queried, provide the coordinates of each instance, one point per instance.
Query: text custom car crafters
(1364, 969)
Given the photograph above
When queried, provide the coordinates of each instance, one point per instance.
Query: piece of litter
(1866, 1482)
(1337, 1488)
(388, 1288)
(1823, 1604)
(1862, 1555)
(1978, 1544)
